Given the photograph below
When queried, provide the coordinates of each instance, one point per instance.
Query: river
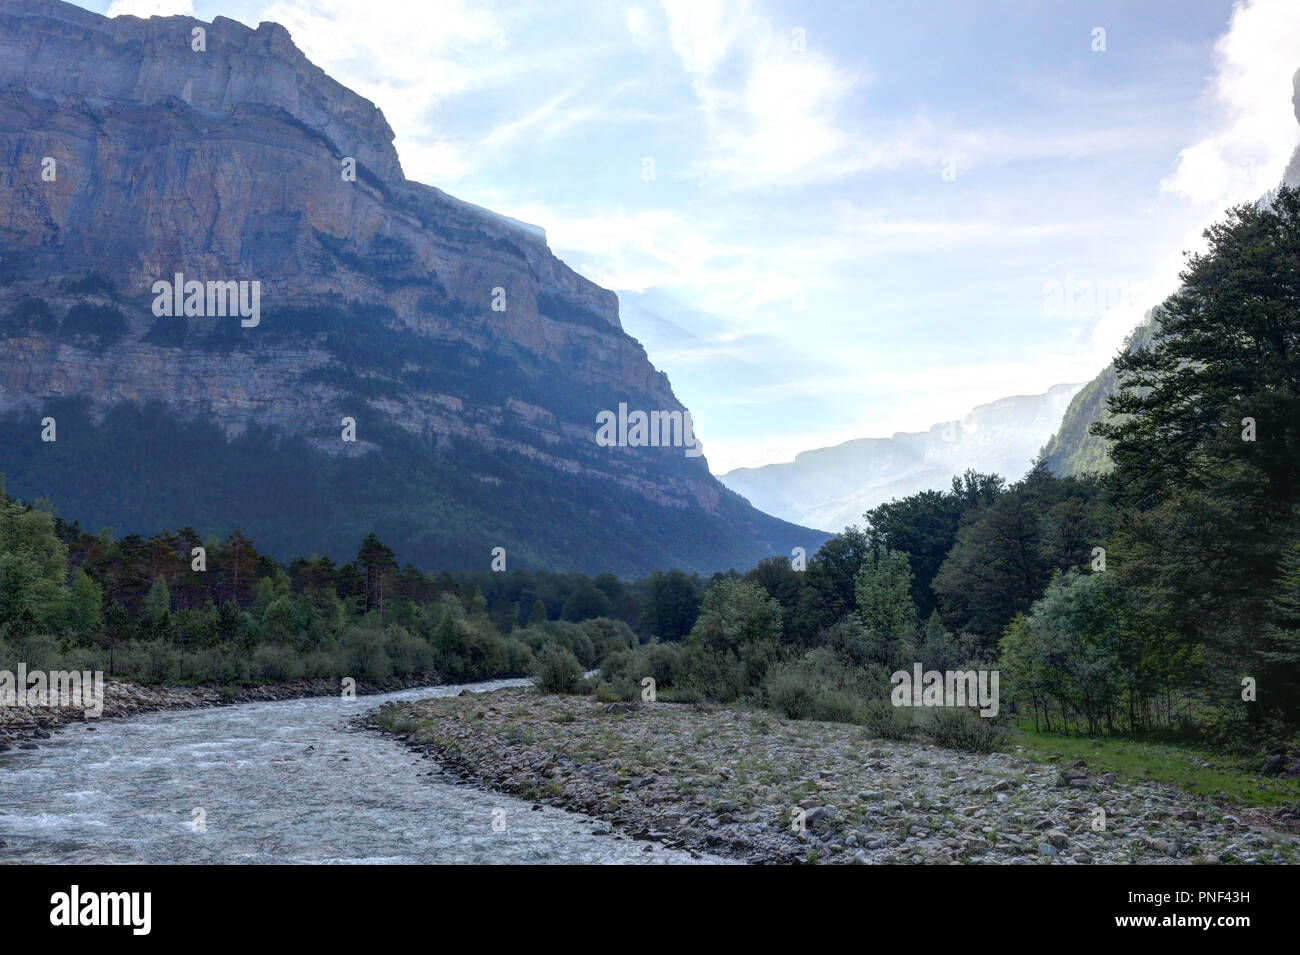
(283, 782)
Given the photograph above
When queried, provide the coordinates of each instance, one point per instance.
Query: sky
(833, 220)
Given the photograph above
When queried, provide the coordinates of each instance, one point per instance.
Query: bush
(963, 728)
(519, 658)
(886, 721)
(30, 316)
(837, 706)
(272, 663)
(410, 655)
(557, 670)
(365, 655)
(712, 675)
(94, 326)
(793, 692)
(622, 671)
(608, 636)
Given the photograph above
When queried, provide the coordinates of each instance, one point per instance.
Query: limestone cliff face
(129, 156)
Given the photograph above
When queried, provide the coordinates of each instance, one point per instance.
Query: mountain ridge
(475, 425)
(831, 487)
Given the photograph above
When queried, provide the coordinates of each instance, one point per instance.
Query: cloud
(1243, 156)
(772, 105)
(409, 59)
(1255, 126)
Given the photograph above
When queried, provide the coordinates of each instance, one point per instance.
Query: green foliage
(1006, 552)
(962, 728)
(538, 614)
(159, 602)
(1205, 439)
(584, 603)
(924, 526)
(86, 598)
(734, 613)
(793, 693)
(33, 568)
(672, 607)
(884, 601)
(557, 670)
(827, 595)
(1086, 654)
(1075, 450)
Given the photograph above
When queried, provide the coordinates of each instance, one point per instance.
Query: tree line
(1161, 597)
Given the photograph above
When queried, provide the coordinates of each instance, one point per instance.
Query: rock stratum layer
(130, 156)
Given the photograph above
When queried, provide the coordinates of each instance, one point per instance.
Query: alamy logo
(103, 908)
(949, 688)
(639, 429)
(195, 299)
(53, 688)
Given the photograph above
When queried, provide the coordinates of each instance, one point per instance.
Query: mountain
(832, 487)
(472, 363)
(1072, 449)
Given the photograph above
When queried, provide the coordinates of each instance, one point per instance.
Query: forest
(1161, 599)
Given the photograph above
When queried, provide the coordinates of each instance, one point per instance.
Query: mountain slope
(1072, 449)
(473, 362)
(832, 487)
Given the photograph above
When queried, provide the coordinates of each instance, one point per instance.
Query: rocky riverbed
(24, 727)
(764, 789)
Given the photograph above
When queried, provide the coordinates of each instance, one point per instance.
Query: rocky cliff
(472, 361)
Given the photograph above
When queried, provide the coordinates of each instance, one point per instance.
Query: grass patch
(1197, 771)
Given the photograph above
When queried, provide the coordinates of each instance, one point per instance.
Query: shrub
(886, 721)
(519, 658)
(557, 670)
(963, 728)
(94, 326)
(275, 663)
(837, 706)
(365, 655)
(713, 675)
(793, 692)
(30, 316)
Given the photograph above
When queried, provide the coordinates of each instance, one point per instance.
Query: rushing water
(282, 782)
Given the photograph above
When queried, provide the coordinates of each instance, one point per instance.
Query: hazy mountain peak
(832, 487)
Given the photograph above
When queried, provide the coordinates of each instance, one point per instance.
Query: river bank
(24, 727)
(757, 787)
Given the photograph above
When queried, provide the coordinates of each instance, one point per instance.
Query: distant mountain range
(832, 487)
(472, 365)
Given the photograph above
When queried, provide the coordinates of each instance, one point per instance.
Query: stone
(1274, 765)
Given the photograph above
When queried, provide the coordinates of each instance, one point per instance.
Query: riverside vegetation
(1156, 605)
